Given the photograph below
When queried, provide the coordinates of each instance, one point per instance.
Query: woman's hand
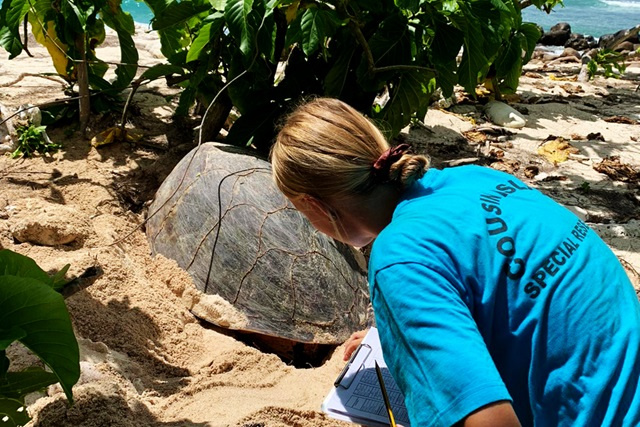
(353, 342)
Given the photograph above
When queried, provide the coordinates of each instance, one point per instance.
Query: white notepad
(356, 396)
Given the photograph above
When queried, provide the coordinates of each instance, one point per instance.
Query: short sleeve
(432, 345)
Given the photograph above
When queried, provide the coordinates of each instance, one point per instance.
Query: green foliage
(273, 52)
(611, 62)
(32, 139)
(71, 30)
(33, 313)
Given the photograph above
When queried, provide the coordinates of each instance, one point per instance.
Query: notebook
(356, 394)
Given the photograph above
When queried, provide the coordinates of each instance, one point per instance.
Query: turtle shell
(256, 262)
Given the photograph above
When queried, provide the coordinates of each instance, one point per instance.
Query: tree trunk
(215, 119)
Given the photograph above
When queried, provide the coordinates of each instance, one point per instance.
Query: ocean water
(593, 17)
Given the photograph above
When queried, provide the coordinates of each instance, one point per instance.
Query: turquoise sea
(593, 17)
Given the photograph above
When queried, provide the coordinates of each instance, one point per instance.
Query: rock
(581, 42)
(610, 41)
(7, 132)
(42, 223)
(502, 114)
(561, 26)
(558, 35)
(625, 46)
(570, 52)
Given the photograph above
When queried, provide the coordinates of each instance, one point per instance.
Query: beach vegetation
(384, 57)
(71, 30)
(611, 63)
(33, 313)
(33, 139)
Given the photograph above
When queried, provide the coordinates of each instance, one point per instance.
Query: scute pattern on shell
(221, 217)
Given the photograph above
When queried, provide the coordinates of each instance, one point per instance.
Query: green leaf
(316, 25)
(337, 76)
(10, 42)
(409, 95)
(15, 411)
(8, 336)
(187, 99)
(509, 66)
(236, 14)
(126, 70)
(205, 35)
(16, 12)
(4, 363)
(410, 5)
(18, 384)
(473, 59)
(40, 311)
(14, 264)
(178, 13)
(532, 35)
(161, 70)
(444, 50)
(58, 281)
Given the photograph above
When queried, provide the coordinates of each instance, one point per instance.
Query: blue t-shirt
(484, 289)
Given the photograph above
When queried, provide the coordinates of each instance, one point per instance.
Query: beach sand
(146, 360)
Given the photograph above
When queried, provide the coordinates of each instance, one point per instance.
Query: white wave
(622, 3)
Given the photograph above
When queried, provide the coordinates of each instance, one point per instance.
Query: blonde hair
(327, 149)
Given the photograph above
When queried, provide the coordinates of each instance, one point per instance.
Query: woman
(495, 305)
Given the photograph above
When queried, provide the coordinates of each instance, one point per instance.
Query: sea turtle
(260, 263)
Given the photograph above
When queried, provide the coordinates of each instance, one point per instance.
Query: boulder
(558, 35)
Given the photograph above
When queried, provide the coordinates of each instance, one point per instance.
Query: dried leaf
(116, 134)
(614, 169)
(557, 150)
(621, 119)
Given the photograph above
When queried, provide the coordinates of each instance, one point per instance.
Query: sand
(146, 360)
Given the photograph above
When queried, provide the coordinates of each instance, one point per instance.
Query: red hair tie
(382, 166)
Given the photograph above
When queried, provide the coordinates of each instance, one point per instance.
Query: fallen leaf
(506, 165)
(474, 136)
(614, 169)
(577, 137)
(621, 119)
(116, 134)
(595, 136)
(531, 171)
(557, 150)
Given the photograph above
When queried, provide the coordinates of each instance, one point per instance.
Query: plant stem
(84, 102)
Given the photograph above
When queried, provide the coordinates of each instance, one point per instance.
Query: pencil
(385, 396)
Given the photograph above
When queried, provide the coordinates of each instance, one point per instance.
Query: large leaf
(316, 25)
(8, 336)
(15, 412)
(16, 12)
(409, 95)
(175, 14)
(123, 24)
(9, 36)
(337, 76)
(18, 384)
(474, 59)
(237, 14)
(40, 311)
(445, 47)
(205, 35)
(509, 66)
(15, 264)
(532, 34)
(161, 70)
